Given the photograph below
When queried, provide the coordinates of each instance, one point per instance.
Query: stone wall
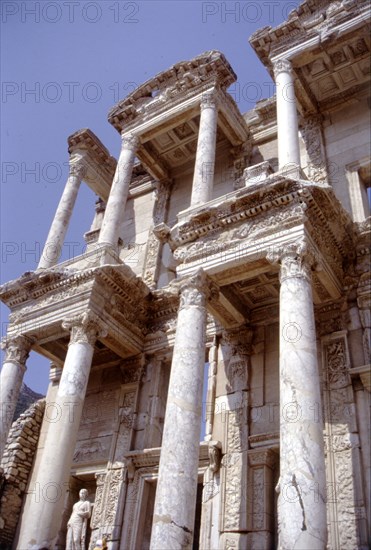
(16, 467)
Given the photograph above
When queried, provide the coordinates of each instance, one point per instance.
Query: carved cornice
(151, 457)
(253, 214)
(314, 21)
(115, 290)
(98, 165)
(180, 81)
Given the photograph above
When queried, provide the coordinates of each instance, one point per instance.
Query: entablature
(98, 165)
(164, 113)
(41, 301)
(328, 45)
(232, 237)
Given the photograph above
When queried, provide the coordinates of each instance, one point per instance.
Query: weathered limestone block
(17, 469)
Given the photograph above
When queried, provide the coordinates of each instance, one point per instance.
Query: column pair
(302, 485)
(109, 234)
(46, 500)
(175, 504)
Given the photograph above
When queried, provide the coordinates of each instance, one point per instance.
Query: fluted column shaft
(302, 497)
(203, 178)
(43, 511)
(175, 504)
(114, 213)
(57, 233)
(287, 118)
(14, 366)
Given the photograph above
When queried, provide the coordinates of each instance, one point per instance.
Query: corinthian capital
(130, 141)
(209, 100)
(296, 260)
(85, 328)
(77, 169)
(196, 290)
(16, 349)
(282, 66)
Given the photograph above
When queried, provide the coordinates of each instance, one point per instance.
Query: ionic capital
(197, 290)
(282, 66)
(130, 141)
(17, 349)
(209, 100)
(296, 260)
(85, 328)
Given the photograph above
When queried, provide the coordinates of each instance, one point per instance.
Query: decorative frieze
(312, 133)
(344, 498)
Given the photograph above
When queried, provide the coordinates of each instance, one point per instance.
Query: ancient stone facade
(210, 379)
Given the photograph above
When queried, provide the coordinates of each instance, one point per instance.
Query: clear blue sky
(64, 64)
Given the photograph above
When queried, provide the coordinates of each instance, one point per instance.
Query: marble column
(175, 503)
(203, 178)
(302, 485)
(54, 242)
(211, 389)
(115, 209)
(287, 118)
(14, 366)
(44, 507)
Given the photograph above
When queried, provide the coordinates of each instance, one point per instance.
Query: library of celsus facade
(209, 378)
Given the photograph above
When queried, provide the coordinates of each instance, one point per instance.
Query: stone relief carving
(312, 134)
(99, 500)
(337, 364)
(341, 442)
(92, 450)
(215, 455)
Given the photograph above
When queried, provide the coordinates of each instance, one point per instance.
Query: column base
(293, 171)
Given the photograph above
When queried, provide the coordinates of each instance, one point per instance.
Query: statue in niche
(77, 524)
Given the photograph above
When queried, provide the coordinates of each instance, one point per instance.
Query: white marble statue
(77, 524)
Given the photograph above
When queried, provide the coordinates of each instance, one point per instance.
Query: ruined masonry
(227, 263)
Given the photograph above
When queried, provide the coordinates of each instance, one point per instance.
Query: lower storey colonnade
(302, 464)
